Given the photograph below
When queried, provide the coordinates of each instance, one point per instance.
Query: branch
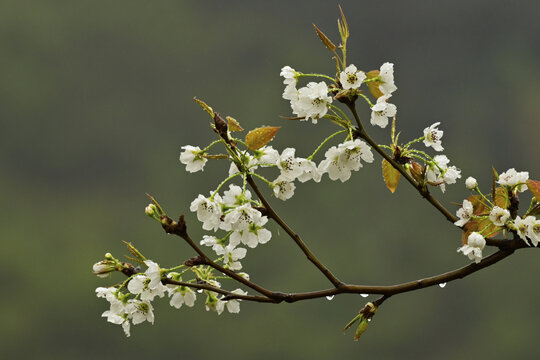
(421, 189)
(296, 238)
(179, 228)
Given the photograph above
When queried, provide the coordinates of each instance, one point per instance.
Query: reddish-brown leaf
(259, 137)
(501, 198)
(325, 40)
(534, 187)
(373, 86)
(390, 175)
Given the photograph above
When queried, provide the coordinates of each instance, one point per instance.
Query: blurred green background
(96, 101)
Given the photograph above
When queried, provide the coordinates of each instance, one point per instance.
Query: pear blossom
(266, 156)
(140, 311)
(141, 284)
(240, 217)
(512, 178)
(309, 171)
(233, 305)
(528, 227)
(439, 173)
(471, 183)
(235, 196)
(103, 268)
(192, 158)
(386, 73)
(283, 188)
(312, 101)
(464, 213)
(432, 137)
(181, 295)
(231, 255)
(289, 75)
(208, 211)
(351, 78)
(289, 165)
(473, 248)
(344, 158)
(381, 111)
(498, 216)
(291, 93)
(252, 236)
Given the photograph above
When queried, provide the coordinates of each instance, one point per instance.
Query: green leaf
(391, 176)
(534, 187)
(259, 137)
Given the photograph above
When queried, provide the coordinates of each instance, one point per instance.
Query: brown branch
(421, 189)
(296, 238)
(179, 228)
(228, 294)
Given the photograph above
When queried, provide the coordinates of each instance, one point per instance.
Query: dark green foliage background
(95, 102)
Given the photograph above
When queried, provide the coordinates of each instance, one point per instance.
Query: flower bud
(103, 268)
(471, 183)
(150, 210)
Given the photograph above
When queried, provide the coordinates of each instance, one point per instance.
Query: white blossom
(439, 173)
(386, 73)
(240, 218)
(464, 213)
(192, 158)
(208, 211)
(289, 165)
(381, 111)
(312, 101)
(251, 236)
(473, 248)
(432, 137)
(513, 178)
(266, 156)
(140, 311)
(344, 158)
(471, 183)
(528, 227)
(181, 295)
(233, 305)
(142, 285)
(351, 78)
(235, 196)
(498, 216)
(309, 171)
(283, 188)
(231, 255)
(289, 75)
(290, 93)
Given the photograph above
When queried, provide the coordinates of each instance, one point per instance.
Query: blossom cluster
(135, 305)
(497, 217)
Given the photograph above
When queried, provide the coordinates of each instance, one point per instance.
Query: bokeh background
(96, 101)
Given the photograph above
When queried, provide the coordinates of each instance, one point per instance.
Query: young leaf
(534, 187)
(259, 137)
(233, 124)
(390, 175)
(373, 86)
(325, 40)
(206, 108)
(501, 198)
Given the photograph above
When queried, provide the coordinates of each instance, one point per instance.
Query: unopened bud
(103, 268)
(150, 210)
(362, 327)
(471, 183)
